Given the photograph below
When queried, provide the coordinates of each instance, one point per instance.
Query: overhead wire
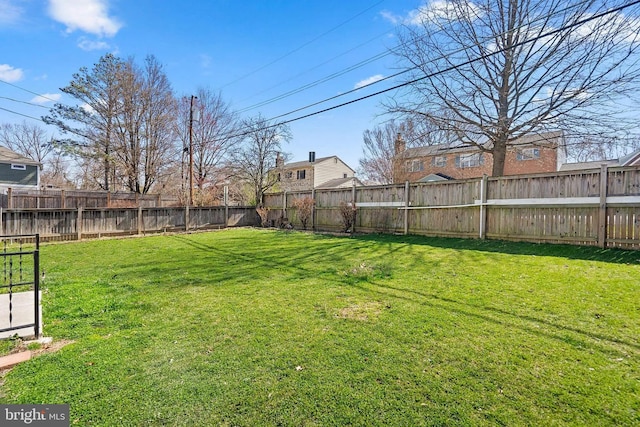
(361, 64)
(431, 75)
(303, 45)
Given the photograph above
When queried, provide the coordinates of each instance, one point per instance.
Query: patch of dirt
(361, 312)
(51, 347)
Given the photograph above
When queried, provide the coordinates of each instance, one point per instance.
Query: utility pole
(191, 150)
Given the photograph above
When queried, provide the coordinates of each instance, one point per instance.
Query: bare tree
(255, 161)
(32, 141)
(213, 135)
(123, 126)
(144, 125)
(506, 69)
(27, 139)
(382, 157)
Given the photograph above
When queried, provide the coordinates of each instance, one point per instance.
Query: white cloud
(86, 44)
(46, 97)
(622, 28)
(10, 74)
(9, 12)
(88, 108)
(436, 10)
(368, 81)
(90, 16)
(391, 17)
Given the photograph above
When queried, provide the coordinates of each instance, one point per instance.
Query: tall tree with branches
(213, 135)
(145, 124)
(505, 69)
(255, 161)
(89, 125)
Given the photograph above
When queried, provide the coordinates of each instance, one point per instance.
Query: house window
(301, 174)
(344, 175)
(469, 160)
(288, 175)
(528, 153)
(18, 167)
(414, 165)
(439, 161)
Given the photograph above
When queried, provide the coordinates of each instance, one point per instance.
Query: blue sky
(251, 51)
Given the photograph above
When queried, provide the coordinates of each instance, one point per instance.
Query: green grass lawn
(260, 327)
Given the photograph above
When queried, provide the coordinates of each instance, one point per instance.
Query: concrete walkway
(23, 314)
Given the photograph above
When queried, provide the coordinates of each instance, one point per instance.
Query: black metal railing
(20, 282)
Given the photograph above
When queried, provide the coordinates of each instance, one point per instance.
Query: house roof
(435, 177)
(547, 138)
(9, 156)
(306, 163)
(336, 183)
(630, 159)
(587, 165)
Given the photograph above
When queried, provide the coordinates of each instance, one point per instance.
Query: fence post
(602, 217)
(483, 207)
(354, 206)
(139, 220)
(79, 223)
(406, 208)
(313, 209)
(284, 204)
(9, 198)
(186, 218)
(226, 205)
(1, 222)
(36, 286)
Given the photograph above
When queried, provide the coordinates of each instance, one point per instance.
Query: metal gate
(20, 311)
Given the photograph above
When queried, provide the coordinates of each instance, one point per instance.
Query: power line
(448, 69)
(365, 62)
(302, 46)
(24, 102)
(27, 90)
(20, 114)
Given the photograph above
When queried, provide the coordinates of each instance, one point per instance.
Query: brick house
(322, 172)
(533, 153)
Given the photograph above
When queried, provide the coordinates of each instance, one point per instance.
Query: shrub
(348, 214)
(304, 208)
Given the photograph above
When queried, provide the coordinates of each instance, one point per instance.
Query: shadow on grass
(484, 313)
(523, 322)
(587, 253)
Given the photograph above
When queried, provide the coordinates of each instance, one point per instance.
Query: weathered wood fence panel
(592, 207)
(74, 224)
(65, 199)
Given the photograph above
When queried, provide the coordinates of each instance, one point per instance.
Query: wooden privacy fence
(67, 199)
(592, 207)
(76, 224)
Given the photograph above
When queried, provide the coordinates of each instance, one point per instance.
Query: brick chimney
(279, 160)
(399, 145)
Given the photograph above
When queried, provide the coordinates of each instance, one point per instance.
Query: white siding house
(322, 172)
